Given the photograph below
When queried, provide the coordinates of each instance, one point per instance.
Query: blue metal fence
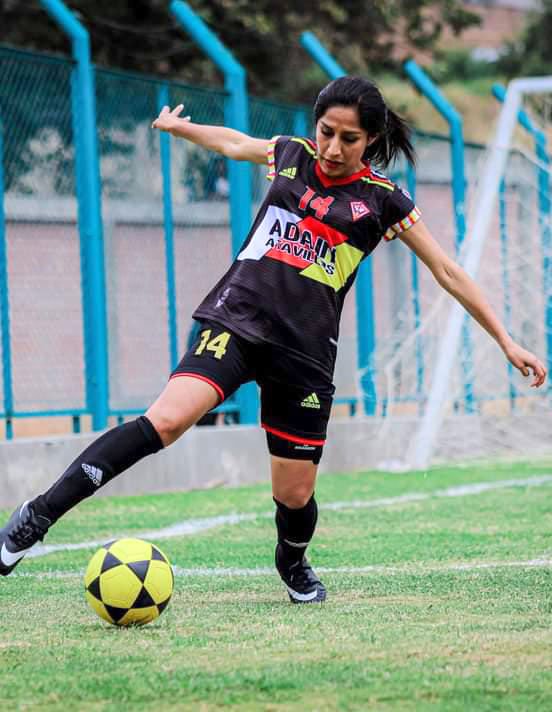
(159, 197)
(166, 236)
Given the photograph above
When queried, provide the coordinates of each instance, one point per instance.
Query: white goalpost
(422, 444)
(468, 402)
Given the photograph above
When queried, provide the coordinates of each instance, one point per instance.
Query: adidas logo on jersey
(288, 172)
(311, 402)
(94, 473)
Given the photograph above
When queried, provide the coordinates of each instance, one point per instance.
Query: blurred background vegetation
(369, 38)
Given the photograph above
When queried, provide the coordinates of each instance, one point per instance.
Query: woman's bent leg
(183, 401)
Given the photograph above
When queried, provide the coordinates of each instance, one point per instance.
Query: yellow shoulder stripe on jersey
(305, 145)
(382, 184)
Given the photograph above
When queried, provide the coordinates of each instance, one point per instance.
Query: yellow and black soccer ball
(129, 582)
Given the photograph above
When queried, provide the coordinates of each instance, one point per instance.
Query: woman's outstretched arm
(227, 142)
(461, 286)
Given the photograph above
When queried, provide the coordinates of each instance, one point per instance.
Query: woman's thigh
(215, 365)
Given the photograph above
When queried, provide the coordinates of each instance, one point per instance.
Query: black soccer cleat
(302, 584)
(23, 530)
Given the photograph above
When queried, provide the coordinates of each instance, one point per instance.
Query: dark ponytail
(391, 131)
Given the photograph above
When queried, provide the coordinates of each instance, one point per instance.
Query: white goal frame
(422, 445)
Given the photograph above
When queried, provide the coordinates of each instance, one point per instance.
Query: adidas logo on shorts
(94, 473)
(311, 402)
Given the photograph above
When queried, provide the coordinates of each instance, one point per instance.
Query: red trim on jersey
(217, 388)
(328, 181)
(289, 259)
(319, 229)
(292, 438)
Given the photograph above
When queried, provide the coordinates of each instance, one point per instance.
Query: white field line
(376, 569)
(195, 526)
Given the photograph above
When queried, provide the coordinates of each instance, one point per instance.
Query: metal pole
(423, 82)
(300, 123)
(89, 213)
(165, 150)
(411, 184)
(506, 282)
(543, 177)
(422, 444)
(236, 116)
(5, 304)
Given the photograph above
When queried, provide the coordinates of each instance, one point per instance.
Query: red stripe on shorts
(292, 438)
(217, 388)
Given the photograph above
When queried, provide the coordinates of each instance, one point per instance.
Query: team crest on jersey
(359, 209)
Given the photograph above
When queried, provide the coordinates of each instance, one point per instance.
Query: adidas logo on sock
(94, 473)
(311, 402)
(288, 172)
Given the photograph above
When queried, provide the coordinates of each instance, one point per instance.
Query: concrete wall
(234, 455)
(204, 457)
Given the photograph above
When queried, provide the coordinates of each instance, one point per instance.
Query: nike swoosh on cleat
(302, 596)
(10, 558)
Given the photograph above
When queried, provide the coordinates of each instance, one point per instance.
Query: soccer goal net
(449, 393)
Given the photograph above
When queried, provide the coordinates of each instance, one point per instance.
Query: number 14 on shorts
(216, 344)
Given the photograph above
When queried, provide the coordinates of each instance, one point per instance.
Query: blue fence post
(506, 281)
(5, 303)
(411, 185)
(364, 290)
(165, 151)
(321, 56)
(543, 177)
(239, 173)
(89, 213)
(546, 241)
(300, 126)
(424, 83)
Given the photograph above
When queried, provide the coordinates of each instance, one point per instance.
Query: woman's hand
(526, 362)
(169, 120)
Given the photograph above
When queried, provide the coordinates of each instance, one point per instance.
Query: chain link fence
(45, 374)
(42, 245)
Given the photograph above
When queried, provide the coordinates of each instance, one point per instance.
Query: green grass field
(438, 602)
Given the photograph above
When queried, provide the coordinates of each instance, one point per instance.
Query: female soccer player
(274, 316)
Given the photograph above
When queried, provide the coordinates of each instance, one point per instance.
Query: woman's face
(341, 141)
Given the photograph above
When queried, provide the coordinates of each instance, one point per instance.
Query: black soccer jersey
(288, 283)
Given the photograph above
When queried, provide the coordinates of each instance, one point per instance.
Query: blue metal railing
(545, 205)
(457, 150)
(89, 213)
(168, 222)
(236, 117)
(5, 303)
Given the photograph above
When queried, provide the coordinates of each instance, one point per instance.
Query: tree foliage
(532, 53)
(141, 35)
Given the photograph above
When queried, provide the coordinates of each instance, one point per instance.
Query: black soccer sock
(108, 456)
(295, 528)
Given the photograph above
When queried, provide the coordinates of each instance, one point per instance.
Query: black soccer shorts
(296, 397)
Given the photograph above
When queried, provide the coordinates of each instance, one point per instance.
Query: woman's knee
(168, 424)
(293, 481)
(295, 498)
(181, 404)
